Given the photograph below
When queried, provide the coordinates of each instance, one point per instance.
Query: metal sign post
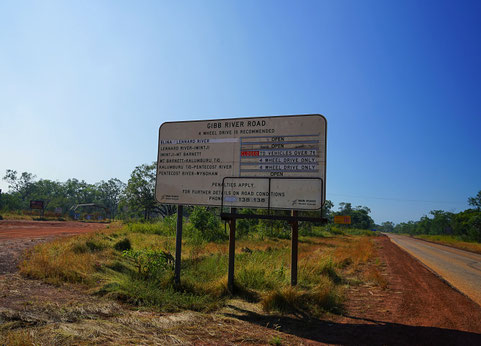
(230, 274)
(178, 244)
(294, 248)
(38, 205)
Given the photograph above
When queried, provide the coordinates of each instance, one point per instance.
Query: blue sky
(84, 86)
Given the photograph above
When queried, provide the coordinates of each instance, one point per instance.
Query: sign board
(283, 157)
(342, 219)
(36, 204)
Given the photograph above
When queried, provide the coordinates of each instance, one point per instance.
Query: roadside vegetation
(452, 241)
(114, 199)
(131, 261)
(134, 264)
(461, 230)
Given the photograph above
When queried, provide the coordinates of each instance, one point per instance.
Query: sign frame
(37, 204)
(321, 156)
(232, 216)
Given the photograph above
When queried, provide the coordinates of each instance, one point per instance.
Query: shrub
(123, 245)
(150, 262)
(246, 226)
(207, 225)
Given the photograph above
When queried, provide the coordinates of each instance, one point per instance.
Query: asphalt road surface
(460, 268)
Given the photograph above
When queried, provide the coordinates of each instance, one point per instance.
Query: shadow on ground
(365, 332)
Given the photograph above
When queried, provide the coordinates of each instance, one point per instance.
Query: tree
(140, 189)
(475, 201)
(423, 226)
(140, 192)
(360, 218)
(405, 227)
(359, 215)
(19, 185)
(442, 222)
(387, 226)
(327, 210)
(110, 193)
(345, 208)
(48, 191)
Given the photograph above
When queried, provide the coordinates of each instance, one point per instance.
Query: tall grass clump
(324, 297)
(67, 260)
(263, 270)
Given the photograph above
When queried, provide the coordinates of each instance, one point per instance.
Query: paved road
(460, 268)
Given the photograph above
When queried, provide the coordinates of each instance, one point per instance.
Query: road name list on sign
(195, 157)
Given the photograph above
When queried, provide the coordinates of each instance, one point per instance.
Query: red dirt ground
(13, 229)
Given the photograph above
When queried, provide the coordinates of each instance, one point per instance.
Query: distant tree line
(466, 224)
(136, 200)
(58, 195)
(132, 200)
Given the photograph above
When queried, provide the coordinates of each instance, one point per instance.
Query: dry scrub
(99, 262)
(262, 270)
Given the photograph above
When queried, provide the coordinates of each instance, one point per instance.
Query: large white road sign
(229, 162)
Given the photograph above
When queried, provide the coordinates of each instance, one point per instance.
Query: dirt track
(18, 235)
(416, 308)
(14, 229)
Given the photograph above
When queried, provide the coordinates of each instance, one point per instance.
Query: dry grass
(354, 252)
(453, 242)
(325, 297)
(132, 327)
(18, 338)
(262, 270)
(72, 260)
(262, 280)
(17, 216)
